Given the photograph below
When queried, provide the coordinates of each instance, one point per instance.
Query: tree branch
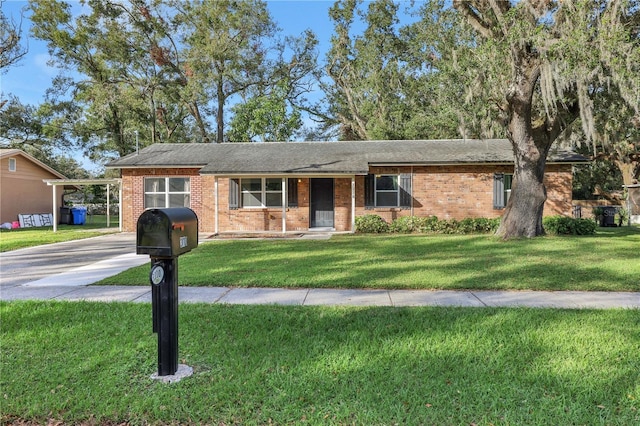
(469, 10)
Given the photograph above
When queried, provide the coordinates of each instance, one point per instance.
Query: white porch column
(120, 206)
(353, 204)
(108, 205)
(284, 205)
(216, 230)
(55, 208)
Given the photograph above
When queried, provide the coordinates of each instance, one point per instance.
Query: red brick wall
(448, 192)
(458, 192)
(267, 219)
(133, 193)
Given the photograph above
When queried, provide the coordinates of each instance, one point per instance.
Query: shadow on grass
(478, 262)
(606, 262)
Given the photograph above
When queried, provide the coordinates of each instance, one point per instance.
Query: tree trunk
(629, 170)
(195, 113)
(522, 217)
(220, 114)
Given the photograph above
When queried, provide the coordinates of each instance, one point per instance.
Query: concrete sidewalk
(334, 297)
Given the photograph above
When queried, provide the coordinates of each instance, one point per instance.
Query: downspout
(215, 208)
(412, 190)
(353, 204)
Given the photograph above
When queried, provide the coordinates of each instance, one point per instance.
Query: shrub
(448, 226)
(585, 227)
(563, 225)
(371, 224)
(478, 225)
(406, 225)
(410, 224)
(428, 224)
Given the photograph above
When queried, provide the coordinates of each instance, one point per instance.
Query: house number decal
(183, 242)
(157, 274)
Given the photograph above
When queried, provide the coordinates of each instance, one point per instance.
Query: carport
(55, 183)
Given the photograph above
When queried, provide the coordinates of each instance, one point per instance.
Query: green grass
(607, 261)
(91, 362)
(28, 237)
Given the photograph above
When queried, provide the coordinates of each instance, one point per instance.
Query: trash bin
(608, 216)
(79, 215)
(65, 216)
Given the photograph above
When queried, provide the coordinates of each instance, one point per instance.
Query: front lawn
(90, 363)
(607, 261)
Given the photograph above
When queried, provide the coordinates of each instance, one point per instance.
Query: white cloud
(41, 63)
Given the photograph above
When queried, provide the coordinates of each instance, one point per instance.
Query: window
(507, 188)
(501, 189)
(12, 164)
(261, 193)
(167, 192)
(388, 191)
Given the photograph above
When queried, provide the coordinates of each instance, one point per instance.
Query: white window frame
(13, 164)
(508, 177)
(387, 191)
(167, 193)
(262, 193)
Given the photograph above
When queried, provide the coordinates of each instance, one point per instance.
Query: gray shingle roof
(325, 157)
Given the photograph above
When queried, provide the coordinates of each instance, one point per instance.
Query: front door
(321, 203)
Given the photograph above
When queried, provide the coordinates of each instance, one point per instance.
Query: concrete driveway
(38, 264)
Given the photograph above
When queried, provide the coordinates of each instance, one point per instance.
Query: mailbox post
(165, 234)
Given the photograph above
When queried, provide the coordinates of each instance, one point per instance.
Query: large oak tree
(537, 65)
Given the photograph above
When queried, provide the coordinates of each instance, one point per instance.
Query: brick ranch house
(303, 186)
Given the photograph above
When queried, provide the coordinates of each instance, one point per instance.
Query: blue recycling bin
(79, 215)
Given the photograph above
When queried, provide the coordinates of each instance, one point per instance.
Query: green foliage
(563, 225)
(265, 118)
(406, 225)
(371, 224)
(429, 224)
(164, 71)
(12, 46)
(379, 88)
(415, 224)
(478, 225)
(597, 177)
(19, 123)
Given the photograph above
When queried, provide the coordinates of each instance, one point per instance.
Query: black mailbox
(167, 233)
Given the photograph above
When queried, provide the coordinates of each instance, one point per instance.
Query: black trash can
(66, 218)
(608, 217)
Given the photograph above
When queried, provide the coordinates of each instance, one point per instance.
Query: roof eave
(284, 173)
(155, 166)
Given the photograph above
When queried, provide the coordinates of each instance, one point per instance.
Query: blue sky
(32, 76)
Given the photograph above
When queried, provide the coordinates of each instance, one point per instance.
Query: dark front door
(321, 203)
